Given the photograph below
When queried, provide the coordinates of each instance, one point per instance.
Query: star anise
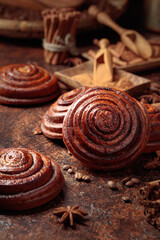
(70, 214)
(154, 164)
(150, 98)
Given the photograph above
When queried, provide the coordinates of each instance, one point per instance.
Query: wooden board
(67, 76)
(109, 217)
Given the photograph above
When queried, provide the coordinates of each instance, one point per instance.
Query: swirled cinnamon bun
(26, 84)
(106, 129)
(27, 179)
(53, 119)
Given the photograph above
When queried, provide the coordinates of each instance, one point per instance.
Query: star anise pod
(70, 214)
(149, 98)
(154, 164)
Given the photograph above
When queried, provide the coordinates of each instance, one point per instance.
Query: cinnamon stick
(58, 23)
(58, 33)
(119, 61)
(119, 49)
(71, 28)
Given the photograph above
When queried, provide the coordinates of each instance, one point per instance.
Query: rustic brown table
(109, 217)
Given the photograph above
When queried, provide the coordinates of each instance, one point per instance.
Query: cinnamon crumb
(37, 131)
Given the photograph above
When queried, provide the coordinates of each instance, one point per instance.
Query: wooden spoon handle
(104, 18)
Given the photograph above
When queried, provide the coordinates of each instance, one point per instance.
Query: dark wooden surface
(109, 217)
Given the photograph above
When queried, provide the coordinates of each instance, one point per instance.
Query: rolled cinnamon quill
(28, 179)
(60, 25)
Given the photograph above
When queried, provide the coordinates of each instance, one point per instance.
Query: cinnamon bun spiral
(53, 119)
(27, 179)
(24, 84)
(106, 129)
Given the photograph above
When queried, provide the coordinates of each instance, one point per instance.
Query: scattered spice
(71, 171)
(69, 152)
(129, 183)
(37, 131)
(70, 214)
(66, 167)
(135, 180)
(78, 176)
(112, 185)
(150, 199)
(126, 179)
(126, 199)
(154, 164)
(86, 178)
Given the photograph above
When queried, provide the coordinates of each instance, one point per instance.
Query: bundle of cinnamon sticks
(58, 22)
(150, 199)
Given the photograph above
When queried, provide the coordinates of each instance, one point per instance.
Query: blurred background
(22, 18)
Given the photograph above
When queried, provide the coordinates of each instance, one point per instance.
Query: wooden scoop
(132, 39)
(103, 71)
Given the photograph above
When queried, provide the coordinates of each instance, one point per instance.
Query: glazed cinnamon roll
(53, 119)
(26, 84)
(106, 129)
(27, 179)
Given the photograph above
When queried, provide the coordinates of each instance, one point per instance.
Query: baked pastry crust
(106, 129)
(28, 179)
(154, 137)
(26, 84)
(52, 121)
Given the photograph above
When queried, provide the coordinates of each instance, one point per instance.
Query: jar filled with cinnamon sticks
(60, 25)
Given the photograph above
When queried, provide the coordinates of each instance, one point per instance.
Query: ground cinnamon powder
(121, 83)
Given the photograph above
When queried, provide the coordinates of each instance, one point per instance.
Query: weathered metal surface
(109, 217)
